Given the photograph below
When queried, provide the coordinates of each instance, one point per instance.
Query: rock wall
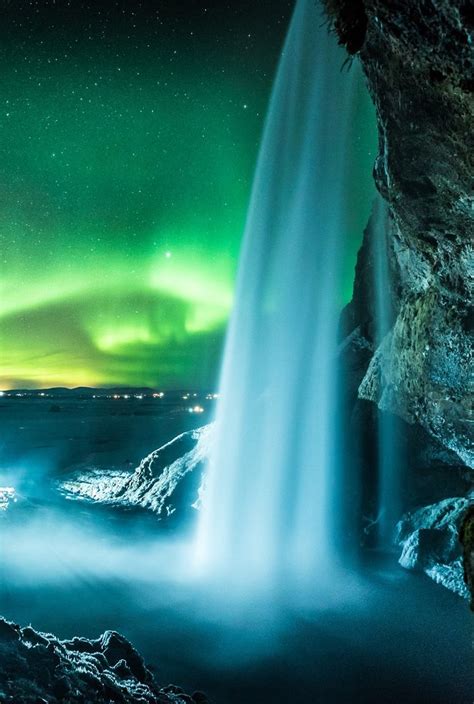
(418, 58)
(419, 61)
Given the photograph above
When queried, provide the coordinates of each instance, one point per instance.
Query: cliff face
(419, 61)
(418, 58)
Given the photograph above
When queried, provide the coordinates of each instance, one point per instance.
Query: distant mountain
(86, 391)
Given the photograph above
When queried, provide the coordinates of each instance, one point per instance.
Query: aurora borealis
(129, 134)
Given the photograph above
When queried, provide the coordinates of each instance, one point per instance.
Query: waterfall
(388, 459)
(273, 483)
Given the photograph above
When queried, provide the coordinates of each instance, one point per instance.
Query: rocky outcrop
(166, 482)
(430, 542)
(419, 61)
(428, 470)
(37, 668)
(466, 538)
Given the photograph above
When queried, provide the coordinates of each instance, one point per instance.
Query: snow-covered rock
(166, 482)
(430, 542)
(37, 668)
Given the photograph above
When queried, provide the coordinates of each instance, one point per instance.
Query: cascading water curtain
(271, 493)
(389, 502)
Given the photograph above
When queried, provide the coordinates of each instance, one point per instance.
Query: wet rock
(168, 481)
(419, 64)
(117, 649)
(430, 542)
(351, 23)
(37, 667)
(466, 538)
(426, 546)
(9, 632)
(173, 689)
(31, 636)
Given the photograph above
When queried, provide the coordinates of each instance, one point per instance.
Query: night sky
(129, 133)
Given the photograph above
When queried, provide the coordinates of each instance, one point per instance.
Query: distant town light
(196, 409)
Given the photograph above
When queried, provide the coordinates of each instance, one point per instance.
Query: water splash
(388, 458)
(273, 489)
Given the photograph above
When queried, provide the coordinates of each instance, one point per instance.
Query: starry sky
(129, 132)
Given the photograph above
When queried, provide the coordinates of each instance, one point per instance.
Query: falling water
(272, 491)
(388, 460)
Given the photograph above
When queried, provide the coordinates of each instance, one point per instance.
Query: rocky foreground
(37, 668)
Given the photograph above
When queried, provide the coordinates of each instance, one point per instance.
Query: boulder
(430, 543)
(167, 481)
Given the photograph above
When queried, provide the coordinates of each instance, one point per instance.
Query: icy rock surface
(37, 668)
(430, 542)
(167, 481)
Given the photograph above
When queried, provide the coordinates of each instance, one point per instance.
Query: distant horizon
(111, 387)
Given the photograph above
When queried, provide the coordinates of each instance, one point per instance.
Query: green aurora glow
(125, 177)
